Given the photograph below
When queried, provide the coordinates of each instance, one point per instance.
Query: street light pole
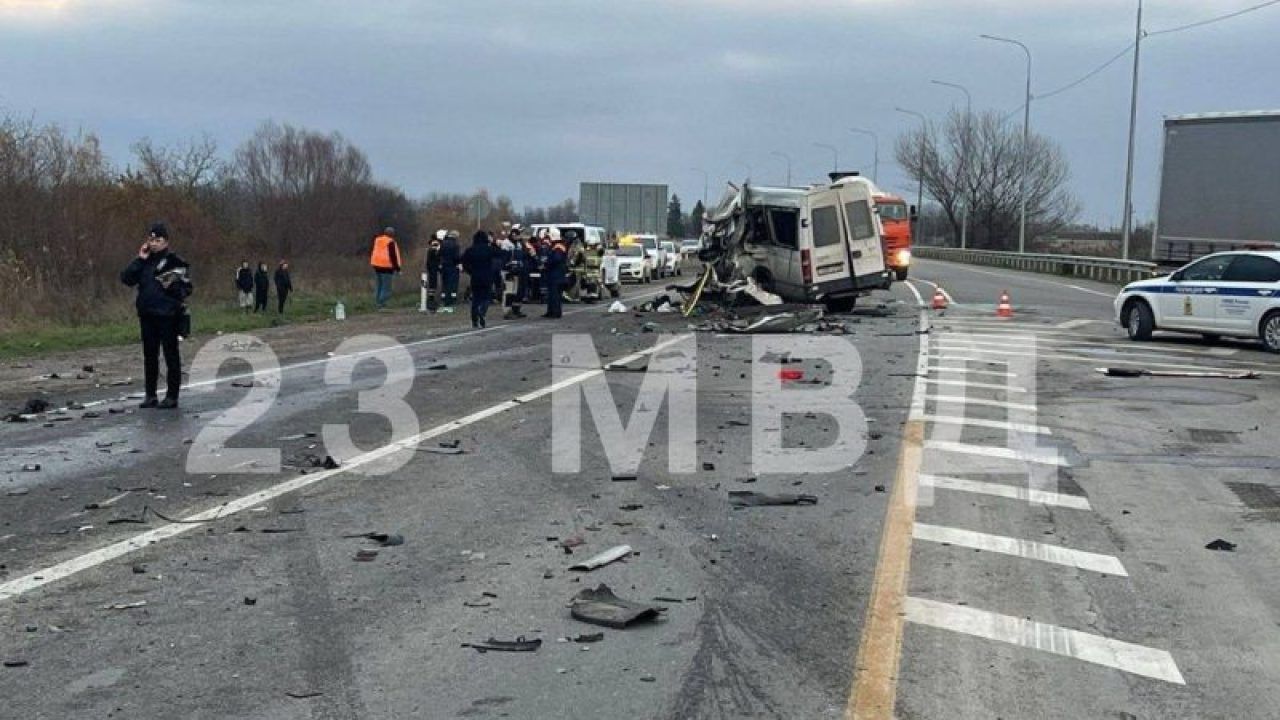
(786, 157)
(706, 180)
(924, 128)
(835, 155)
(1026, 135)
(875, 167)
(1126, 231)
(964, 157)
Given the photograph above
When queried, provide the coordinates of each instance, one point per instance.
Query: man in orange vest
(385, 260)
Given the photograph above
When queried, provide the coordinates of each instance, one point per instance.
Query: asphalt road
(1043, 556)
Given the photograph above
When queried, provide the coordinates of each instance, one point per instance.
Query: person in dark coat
(478, 262)
(163, 282)
(450, 259)
(244, 285)
(433, 270)
(261, 288)
(284, 285)
(557, 266)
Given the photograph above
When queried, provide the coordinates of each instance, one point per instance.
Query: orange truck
(895, 221)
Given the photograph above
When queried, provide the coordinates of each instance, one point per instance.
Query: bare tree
(185, 167)
(977, 160)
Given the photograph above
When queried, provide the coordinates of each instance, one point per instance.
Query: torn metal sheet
(614, 553)
(601, 607)
(750, 498)
(780, 323)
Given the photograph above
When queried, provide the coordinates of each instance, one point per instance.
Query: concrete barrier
(1106, 270)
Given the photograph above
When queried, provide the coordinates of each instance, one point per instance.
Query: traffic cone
(1004, 309)
(939, 300)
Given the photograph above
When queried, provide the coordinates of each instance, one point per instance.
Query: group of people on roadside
(254, 287)
(500, 267)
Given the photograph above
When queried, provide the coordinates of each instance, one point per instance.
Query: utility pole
(1126, 225)
(924, 129)
(875, 167)
(786, 157)
(835, 155)
(964, 158)
(705, 181)
(1026, 136)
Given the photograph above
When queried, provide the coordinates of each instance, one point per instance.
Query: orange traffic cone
(939, 300)
(1004, 309)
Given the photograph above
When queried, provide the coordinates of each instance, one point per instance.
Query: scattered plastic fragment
(1221, 545)
(520, 644)
(614, 553)
(749, 498)
(601, 607)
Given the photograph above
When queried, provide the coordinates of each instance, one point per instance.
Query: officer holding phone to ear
(163, 284)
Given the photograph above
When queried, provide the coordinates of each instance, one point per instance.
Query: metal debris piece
(630, 507)
(601, 607)
(440, 366)
(31, 467)
(383, 539)
(125, 606)
(1221, 545)
(750, 498)
(365, 555)
(442, 450)
(636, 365)
(614, 553)
(299, 436)
(303, 694)
(15, 663)
(520, 644)
(623, 478)
(592, 638)
(1142, 372)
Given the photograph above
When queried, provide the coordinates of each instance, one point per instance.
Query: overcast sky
(529, 97)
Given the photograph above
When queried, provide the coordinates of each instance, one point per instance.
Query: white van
(573, 233)
(816, 244)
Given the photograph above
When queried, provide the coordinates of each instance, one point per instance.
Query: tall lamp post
(1126, 231)
(1026, 134)
(835, 155)
(875, 166)
(706, 180)
(924, 125)
(964, 157)
(786, 157)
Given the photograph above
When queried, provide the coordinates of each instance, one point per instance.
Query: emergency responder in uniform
(593, 255)
(557, 264)
(478, 262)
(163, 284)
(385, 260)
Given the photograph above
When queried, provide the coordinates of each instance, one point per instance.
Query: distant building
(624, 207)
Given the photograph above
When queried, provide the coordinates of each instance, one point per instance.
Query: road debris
(250, 600)
(1142, 372)
(299, 436)
(383, 539)
(15, 663)
(1221, 545)
(303, 694)
(614, 553)
(617, 307)
(601, 607)
(623, 478)
(366, 555)
(750, 498)
(442, 450)
(520, 644)
(630, 507)
(637, 365)
(35, 406)
(125, 606)
(31, 467)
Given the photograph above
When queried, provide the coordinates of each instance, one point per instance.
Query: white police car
(1232, 294)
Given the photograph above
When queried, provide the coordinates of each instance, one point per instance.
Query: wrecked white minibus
(819, 244)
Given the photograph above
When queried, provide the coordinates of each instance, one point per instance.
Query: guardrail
(1109, 270)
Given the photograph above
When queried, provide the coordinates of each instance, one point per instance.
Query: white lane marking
(1023, 276)
(980, 386)
(964, 400)
(1085, 346)
(1104, 564)
(1013, 492)
(1095, 359)
(991, 424)
(922, 363)
(1027, 338)
(1078, 322)
(1117, 654)
(67, 568)
(967, 371)
(1048, 456)
(945, 294)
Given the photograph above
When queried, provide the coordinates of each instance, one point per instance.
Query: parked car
(673, 256)
(689, 247)
(1231, 294)
(634, 264)
(652, 248)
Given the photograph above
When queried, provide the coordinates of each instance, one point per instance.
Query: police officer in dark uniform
(163, 284)
(557, 265)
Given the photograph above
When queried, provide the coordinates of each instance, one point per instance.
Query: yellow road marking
(875, 678)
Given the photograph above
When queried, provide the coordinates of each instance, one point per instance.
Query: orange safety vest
(380, 258)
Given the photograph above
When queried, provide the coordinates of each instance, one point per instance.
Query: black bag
(184, 323)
